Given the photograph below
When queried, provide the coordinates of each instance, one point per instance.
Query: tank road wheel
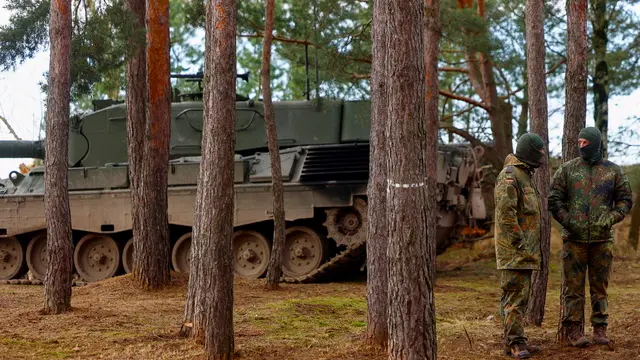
(304, 251)
(127, 256)
(251, 252)
(348, 225)
(97, 257)
(11, 258)
(180, 253)
(37, 256)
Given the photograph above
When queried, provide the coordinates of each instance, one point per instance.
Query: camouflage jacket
(588, 200)
(517, 217)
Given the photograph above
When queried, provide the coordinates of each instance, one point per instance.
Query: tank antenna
(315, 28)
(306, 70)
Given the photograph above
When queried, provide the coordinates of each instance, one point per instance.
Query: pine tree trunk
(136, 117)
(431, 51)
(377, 227)
(502, 128)
(634, 230)
(524, 117)
(410, 294)
(537, 90)
(151, 261)
(480, 73)
(274, 271)
(576, 78)
(58, 279)
(575, 96)
(194, 323)
(215, 201)
(601, 75)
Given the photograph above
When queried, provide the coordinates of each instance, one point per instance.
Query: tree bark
(634, 230)
(537, 91)
(136, 118)
(411, 317)
(151, 261)
(274, 271)
(58, 279)
(600, 25)
(575, 96)
(215, 198)
(575, 78)
(524, 117)
(431, 50)
(377, 228)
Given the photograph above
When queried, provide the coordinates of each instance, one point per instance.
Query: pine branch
(6, 122)
(463, 98)
(552, 70)
(461, 112)
(367, 76)
(283, 39)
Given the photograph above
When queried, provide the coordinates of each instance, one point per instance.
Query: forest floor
(112, 320)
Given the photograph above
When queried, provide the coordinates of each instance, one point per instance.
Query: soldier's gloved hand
(606, 220)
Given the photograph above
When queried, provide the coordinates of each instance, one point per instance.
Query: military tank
(324, 152)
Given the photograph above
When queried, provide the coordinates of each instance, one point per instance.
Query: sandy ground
(113, 320)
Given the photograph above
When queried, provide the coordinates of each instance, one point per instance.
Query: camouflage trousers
(516, 287)
(577, 260)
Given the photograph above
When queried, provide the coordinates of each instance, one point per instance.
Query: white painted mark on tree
(391, 184)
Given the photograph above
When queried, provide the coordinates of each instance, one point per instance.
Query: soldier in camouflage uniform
(588, 196)
(517, 239)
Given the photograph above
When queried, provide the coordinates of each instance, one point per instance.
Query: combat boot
(600, 335)
(576, 337)
(532, 349)
(518, 351)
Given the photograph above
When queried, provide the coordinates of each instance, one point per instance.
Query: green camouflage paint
(588, 200)
(515, 285)
(517, 214)
(517, 242)
(576, 259)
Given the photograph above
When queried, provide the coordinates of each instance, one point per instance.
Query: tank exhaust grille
(336, 163)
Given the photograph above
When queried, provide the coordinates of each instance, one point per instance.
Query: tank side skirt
(91, 210)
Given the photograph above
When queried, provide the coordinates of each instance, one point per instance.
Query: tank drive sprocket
(348, 225)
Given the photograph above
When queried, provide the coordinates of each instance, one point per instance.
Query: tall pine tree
(58, 280)
(377, 228)
(411, 319)
(537, 93)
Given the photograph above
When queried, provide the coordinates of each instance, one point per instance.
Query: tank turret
(15, 149)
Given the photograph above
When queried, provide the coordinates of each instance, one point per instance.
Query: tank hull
(325, 193)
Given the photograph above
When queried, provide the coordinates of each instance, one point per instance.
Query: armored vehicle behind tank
(324, 150)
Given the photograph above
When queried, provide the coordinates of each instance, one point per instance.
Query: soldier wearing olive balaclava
(529, 150)
(518, 215)
(588, 196)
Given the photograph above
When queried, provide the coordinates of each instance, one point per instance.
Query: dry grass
(113, 320)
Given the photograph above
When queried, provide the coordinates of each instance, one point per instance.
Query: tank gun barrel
(16, 149)
(200, 76)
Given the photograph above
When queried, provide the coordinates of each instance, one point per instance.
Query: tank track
(35, 282)
(344, 259)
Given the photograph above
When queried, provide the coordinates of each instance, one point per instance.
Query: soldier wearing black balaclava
(588, 196)
(591, 153)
